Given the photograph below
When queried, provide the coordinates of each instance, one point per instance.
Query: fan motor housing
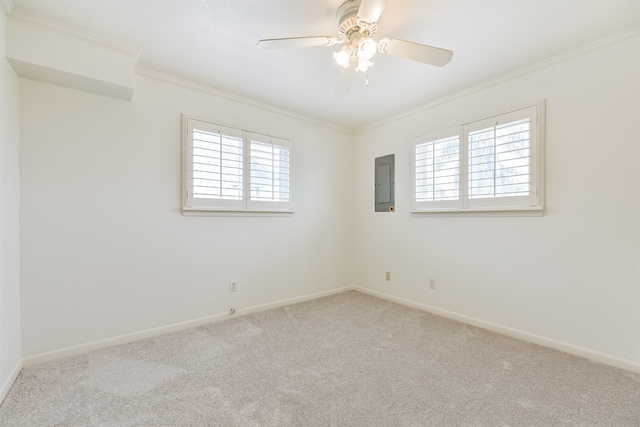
(347, 19)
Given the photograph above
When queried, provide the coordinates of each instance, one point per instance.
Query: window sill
(515, 211)
(190, 211)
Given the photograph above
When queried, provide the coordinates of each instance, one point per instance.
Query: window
(490, 164)
(227, 169)
(269, 177)
(437, 169)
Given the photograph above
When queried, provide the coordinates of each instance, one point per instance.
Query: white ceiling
(213, 43)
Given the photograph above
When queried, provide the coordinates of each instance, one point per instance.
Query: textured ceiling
(214, 43)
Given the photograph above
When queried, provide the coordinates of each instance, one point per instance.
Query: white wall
(10, 352)
(571, 277)
(105, 249)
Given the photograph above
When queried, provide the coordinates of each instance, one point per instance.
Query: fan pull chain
(366, 81)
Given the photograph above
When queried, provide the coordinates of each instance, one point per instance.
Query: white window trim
(212, 207)
(491, 206)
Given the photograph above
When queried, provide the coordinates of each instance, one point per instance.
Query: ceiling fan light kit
(357, 22)
(356, 33)
(360, 49)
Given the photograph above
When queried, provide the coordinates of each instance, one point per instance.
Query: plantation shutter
(437, 170)
(233, 170)
(269, 172)
(215, 165)
(494, 164)
(500, 161)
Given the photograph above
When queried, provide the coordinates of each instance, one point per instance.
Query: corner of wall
(10, 317)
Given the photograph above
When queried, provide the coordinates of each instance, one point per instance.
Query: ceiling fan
(357, 23)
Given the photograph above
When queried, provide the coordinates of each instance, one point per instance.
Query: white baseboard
(175, 327)
(504, 330)
(586, 353)
(6, 386)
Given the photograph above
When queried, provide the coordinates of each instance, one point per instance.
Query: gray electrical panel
(385, 183)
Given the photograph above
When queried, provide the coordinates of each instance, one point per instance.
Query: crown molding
(75, 33)
(6, 7)
(634, 31)
(145, 72)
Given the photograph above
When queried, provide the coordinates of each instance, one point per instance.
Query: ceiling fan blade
(344, 81)
(418, 52)
(297, 42)
(370, 10)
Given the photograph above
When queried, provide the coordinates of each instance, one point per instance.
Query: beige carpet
(344, 360)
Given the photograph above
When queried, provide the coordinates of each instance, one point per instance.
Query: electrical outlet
(233, 286)
(432, 284)
(388, 276)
